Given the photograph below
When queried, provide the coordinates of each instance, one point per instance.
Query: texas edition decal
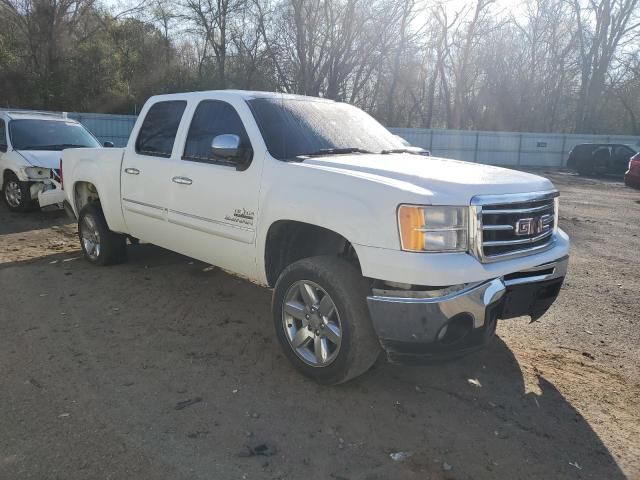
(241, 215)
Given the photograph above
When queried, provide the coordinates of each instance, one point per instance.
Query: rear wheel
(100, 245)
(16, 194)
(322, 320)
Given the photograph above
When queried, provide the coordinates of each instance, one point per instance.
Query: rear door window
(159, 129)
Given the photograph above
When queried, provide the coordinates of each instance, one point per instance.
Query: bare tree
(214, 19)
(557, 65)
(603, 27)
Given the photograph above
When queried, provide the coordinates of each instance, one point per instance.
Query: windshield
(49, 135)
(292, 128)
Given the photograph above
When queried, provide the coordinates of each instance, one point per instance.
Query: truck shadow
(141, 337)
(11, 222)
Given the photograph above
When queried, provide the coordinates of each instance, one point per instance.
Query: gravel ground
(165, 368)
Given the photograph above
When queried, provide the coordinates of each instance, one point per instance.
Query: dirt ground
(164, 368)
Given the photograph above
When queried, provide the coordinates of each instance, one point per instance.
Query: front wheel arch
(288, 241)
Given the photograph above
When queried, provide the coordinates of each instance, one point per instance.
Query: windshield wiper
(57, 146)
(333, 151)
(412, 150)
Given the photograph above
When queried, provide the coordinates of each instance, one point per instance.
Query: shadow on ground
(25, 222)
(94, 362)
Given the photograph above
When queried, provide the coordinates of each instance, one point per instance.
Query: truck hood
(42, 158)
(447, 181)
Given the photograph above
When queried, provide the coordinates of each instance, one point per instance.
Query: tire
(585, 167)
(99, 245)
(16, 194)
(357, 347)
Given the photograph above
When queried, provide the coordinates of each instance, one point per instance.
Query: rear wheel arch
(84, 193)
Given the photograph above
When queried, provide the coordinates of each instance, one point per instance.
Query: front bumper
(432, 324)
(47, 192)
(54, 196)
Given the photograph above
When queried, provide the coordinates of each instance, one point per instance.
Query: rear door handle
(132, 171)
(182, 180)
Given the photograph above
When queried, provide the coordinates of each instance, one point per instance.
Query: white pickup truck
(368, 244)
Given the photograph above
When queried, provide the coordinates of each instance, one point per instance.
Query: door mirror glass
(108, 144)
(226, 146)
(3, 147)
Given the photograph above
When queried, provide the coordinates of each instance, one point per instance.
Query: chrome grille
(508, 226)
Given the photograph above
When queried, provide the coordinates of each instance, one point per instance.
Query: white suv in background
(30, 146)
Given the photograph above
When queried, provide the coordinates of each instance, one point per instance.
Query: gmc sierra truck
(368, 245)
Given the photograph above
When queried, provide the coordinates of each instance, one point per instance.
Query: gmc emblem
(530, 226)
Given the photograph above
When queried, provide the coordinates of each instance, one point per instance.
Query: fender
(344, 209)
(15, 162)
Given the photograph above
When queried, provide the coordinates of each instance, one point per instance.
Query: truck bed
(101, 168)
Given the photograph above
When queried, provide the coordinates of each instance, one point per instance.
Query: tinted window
(295, 127)
(3, 136)
(159, 129)
(213, 118)
(623, 151)
(49, 135)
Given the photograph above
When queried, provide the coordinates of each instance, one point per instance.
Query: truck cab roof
(243, 94)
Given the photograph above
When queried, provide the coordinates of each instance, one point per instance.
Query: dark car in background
(600, 158)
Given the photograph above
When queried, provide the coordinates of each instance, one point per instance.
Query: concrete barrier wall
(495, 148)
(506, 148)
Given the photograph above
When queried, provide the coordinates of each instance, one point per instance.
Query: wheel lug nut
(307, 317)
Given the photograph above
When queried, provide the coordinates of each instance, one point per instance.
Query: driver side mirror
(107, 144)
(226, 146)
(3, 147)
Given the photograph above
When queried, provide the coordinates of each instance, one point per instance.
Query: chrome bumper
(461, 317)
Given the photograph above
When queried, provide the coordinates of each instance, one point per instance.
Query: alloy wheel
(13, 193)
(312, 323)
(90, 237)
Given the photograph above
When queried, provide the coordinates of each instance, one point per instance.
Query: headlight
(37, 173)
(433, 228)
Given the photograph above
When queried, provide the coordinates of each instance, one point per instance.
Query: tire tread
(347, 283)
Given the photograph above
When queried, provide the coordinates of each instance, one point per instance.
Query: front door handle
(182, 180)
(132, 171)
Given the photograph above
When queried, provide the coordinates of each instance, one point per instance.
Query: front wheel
(322, 320)
(16, 194)
(100, 245)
